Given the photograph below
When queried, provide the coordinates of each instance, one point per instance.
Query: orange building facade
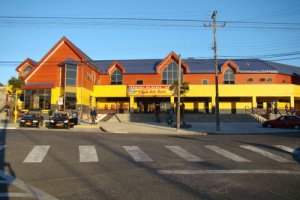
(66, 78)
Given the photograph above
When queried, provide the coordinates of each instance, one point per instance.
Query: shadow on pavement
(4, 183)
(295, 154)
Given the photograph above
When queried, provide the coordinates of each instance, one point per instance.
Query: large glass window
(37, 99)
(170, 74)
(116, 77)
(229, 76)
(70, 100)
(71, 75)
(26, 70)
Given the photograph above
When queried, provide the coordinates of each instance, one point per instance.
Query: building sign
(149, 90)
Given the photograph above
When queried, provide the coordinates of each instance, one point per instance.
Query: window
(283, 81)
(70, 100)
(71, 75)
(250, 80)
(262, 80)
(139, 82)
(269, 80)
(37, 99)
(204, 82)
(170, 74)
(26, 70)
(116, 77)
(229, 76)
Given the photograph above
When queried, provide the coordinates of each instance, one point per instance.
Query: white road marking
(29, 191)
(37, 154)
(238, 171)
(137, 154)
(227, 154)
(88, 154)
(265, 153)
(295, 152)
(184, 154)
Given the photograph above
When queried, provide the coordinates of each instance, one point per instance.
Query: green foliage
(15, 83)
(184, 88)
(1, 85)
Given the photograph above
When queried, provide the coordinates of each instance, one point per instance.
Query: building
(66, 78)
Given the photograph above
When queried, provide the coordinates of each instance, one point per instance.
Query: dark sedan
(60, 120)
(30, 120)
(283, 122)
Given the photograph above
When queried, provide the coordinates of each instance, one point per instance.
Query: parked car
(60, 120)
(283, 122)
(30, 120)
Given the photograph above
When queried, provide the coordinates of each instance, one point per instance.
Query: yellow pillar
(292, 101)
(131, 104)
(254, 102)
(172, 100)
(16, 108)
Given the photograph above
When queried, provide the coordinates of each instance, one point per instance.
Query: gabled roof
(146, 66)
(30, 61)
(130, 66)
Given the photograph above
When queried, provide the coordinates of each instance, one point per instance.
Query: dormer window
(229, 77)
(116, 77)
(170, 74)
(26, 70)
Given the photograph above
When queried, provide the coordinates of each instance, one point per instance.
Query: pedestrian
(286, 109)
(93, 114)
(170, 116)
(182, 108)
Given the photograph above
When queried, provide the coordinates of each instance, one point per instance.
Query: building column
(172, 101)
(131, 104)
(254, 103)
(292, 102)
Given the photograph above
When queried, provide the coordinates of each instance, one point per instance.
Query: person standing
(93, 115)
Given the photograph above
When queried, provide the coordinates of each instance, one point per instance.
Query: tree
(184, 88)
(1, 85)
(15, 84)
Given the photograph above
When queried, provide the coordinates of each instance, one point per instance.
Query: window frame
(229, 76)
(170, 74)
(116, 77)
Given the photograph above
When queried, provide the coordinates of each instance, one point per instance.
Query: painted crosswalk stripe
(295, 152)
(137, 154)
(184, 154)
(227, 154)
(37, 154)
(87, 154)
(265, 153)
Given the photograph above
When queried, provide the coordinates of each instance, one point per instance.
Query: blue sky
(125, 39)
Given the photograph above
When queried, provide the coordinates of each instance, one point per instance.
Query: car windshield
(60, 115)
(30, 115)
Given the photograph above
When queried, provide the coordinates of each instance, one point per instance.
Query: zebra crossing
(89, 153)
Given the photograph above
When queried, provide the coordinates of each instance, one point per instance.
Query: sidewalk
(196, 129)
(228, 128)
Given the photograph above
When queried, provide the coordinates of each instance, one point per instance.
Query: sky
(142, 29)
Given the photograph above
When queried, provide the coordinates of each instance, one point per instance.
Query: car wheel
(297, 127)
(269, 126)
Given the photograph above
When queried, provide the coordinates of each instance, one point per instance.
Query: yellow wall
(268, 91)
(110, 91)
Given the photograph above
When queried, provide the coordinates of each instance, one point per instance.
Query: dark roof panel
(200, 66)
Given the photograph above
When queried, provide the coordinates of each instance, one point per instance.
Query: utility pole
(216, 72)
(217, 110)
(178, 93)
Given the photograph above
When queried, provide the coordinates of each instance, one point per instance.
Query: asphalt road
(73, 165)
